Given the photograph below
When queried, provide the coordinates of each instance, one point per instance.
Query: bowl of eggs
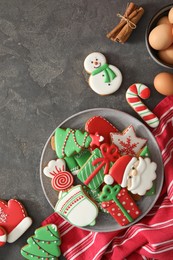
(159, 37)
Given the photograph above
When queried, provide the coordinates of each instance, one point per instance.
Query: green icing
(88, 168)
(69, 141)
(145, 152)
(110, 193)
(44, 244)
(71, 163)
(109, 74)
(82, 157)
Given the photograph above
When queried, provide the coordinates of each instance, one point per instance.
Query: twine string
(130, 23)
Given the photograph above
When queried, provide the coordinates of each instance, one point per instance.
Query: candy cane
(62, 181)
(132, 96)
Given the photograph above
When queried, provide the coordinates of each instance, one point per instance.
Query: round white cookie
(104, 79)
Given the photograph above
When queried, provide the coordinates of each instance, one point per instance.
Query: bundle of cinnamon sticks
(127, 24)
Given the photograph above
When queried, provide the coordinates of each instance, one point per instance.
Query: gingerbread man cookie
(104, 79)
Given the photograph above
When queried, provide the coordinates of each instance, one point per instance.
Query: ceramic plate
(121, 120)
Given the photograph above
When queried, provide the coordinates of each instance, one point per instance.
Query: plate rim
(92, 110)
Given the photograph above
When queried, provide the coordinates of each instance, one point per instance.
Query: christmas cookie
(3, 236)
(44, 244)
(63, 180)
(93, 171)
(100, 125)
(137, 174)
(119, 204)
(77, 208)
(53, 167)
(128, 142)
(14, 219)
(69, 141)
(104, 79)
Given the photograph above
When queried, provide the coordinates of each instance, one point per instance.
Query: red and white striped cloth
(152, 237)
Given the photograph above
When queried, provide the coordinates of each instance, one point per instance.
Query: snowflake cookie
(128, 142)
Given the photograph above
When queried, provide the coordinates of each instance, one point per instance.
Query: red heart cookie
(13, 219)
(98, 124)
(3, 236)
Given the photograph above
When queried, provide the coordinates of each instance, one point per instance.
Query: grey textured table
(42, 48)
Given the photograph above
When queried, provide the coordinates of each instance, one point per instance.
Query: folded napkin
(152, 237)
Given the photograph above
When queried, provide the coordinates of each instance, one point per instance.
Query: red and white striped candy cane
(133, 95)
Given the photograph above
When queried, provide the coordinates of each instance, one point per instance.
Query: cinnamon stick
(126, 31)
(128, 22)
(130, 8)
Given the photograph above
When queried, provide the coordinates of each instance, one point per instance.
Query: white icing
(122, 141)
(82, 213)
(93, 61)
(108, 179)
(98, 85)
(147, 173)
(3, 238)
(19, 230)
(53, 167)
(96, 82)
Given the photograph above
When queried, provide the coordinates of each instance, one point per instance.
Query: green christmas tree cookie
(43, 245)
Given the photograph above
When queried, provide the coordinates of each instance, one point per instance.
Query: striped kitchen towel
(152, 237)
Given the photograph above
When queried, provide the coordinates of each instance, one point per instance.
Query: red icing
(110, 154)
(100, 125)
(11, 214)
(127, 202)
(119, 167)
(2, 238)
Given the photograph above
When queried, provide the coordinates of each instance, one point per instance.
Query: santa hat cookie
(14, 219)
(119, 171)
(104, 79)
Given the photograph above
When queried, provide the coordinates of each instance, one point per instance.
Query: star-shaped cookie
(127, 141)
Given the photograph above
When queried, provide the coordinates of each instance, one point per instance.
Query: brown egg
(163, 83)
(170, 15)
(163, 20)
(161, 37)
(167, 55)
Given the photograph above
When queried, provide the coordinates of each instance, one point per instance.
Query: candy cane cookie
(133, 95)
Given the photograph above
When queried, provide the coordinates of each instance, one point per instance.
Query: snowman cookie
(104, 79)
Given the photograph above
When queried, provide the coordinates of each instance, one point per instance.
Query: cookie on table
(104, 79)
(14, 219)
(44, 244)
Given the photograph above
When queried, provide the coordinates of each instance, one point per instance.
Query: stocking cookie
(44, 244)
(104, 79)
(14, 219)
(128, 142)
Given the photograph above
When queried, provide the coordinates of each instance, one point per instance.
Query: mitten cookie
(14, 219)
